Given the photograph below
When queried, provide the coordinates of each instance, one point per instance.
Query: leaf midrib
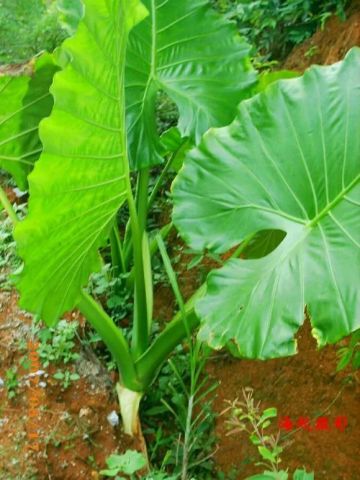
(333, 203)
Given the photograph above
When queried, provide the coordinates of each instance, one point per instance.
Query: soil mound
(328, 45)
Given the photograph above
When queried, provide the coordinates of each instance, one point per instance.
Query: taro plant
(102, 127)
(288, 164)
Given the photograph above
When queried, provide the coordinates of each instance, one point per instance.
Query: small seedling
(247, 415)
(130, 464)
(66, 378)
(350, 354)
(57, 344)
(11, 382)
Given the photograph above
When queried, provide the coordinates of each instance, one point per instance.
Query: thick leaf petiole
(9, 209)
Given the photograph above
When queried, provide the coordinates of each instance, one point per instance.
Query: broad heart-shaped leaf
(82, 177)
(187, 50)
(290, 161)
(24, 101)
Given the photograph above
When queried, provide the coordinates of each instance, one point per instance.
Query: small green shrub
(11, 382)
(66, 377)
(57, 344)
(273, 27)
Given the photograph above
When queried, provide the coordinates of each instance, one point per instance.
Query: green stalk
(142, 197)
(113, 338)
(173, 282)
(140, 335)
(173, 334)
(9, 209)
(164, 232)
(117, 254)
(161, 177)
(150, 201)
(175, 331)
(142, 209)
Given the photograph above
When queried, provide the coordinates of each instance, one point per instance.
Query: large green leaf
(24, 101)
(290, 161)
(187, 50)
(81, 179)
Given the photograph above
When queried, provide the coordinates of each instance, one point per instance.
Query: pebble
(85, 412)
(113, 419)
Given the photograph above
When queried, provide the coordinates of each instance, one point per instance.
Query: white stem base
(129, 408)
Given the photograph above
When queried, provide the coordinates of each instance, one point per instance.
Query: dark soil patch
(75, 436)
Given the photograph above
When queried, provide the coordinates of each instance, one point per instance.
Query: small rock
(113, 419)
(42, 384)
(37, 374)
(84, 412)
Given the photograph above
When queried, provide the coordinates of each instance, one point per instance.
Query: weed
(57, 343)
(247, 416)
(11, 382)
(113, 291)
(9, 261)
(26, 28)
(66, 377)
(131, 463)
(350, 354)
(274, 27)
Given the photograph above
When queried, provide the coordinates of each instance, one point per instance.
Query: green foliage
(75, 210)
(25, 101)
(128, 463)
(7, 244)
(70, 13)
(303, 475)
(187, 51)
(113, 291)
(71, 215)
(350, 354)
(11, 382)
(57, 344)
(282, 475)
(241, 180)
(297, 147)
(9, 261)
(28, 27)
(165, 411)
(274, 27)
(247, 416)
(66, 377)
